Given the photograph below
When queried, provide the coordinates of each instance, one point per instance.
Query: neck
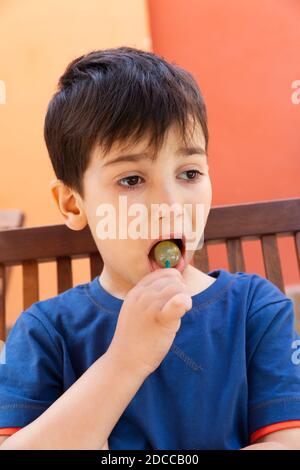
(117, 286)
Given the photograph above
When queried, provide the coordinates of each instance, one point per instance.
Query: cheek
(201, 201)
(202, 193)
(208, 193)
(207, 199)
(93, 220)
(205, 192)
(98, 207)
(122, 255)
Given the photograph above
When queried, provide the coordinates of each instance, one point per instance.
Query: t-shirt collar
(109, 301)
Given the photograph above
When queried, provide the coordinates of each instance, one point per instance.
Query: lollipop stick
(167, 264)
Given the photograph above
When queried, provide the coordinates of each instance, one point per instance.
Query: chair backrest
(9, 219)
(264, 221)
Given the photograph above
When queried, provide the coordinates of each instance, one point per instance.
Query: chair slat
(201, 261)
(235, 255)
(96, 265)
(30, 283)
(297, 245)
(272, 260)
(64, 273)
(253, 219)
(2, 303)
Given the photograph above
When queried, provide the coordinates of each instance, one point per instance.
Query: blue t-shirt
(234, 366)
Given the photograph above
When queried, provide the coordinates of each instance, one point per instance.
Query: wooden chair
(9, 219)
(264, 221)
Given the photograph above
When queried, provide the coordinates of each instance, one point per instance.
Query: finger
(175, 307)
(159, 284)
(157, 294)
(154, 290)
(167, 293)
(158, 274)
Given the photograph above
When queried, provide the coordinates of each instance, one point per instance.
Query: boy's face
(169, 179)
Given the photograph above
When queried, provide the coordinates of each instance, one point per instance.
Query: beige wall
(37, 41)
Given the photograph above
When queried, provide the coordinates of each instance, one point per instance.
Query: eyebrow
(134, 157)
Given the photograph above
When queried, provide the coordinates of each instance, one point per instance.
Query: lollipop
(167, 254)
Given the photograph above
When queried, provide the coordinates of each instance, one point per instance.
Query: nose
(165, 192)
(166, 202)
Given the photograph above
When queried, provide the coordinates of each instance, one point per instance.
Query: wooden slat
(30, 283)
(54, 241)
(2, 303)
(235, 255)
(201, 259)
(272, 261)
(243, 220)
(297, 246)
(96, 265)
(64, 273)
(253, 219)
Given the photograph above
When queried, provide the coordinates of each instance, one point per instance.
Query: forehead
(172, 141)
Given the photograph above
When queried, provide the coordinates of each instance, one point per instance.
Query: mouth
(179, 241)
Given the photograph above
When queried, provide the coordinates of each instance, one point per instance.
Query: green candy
(167, 250)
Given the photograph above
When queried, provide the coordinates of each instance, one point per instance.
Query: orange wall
(37, 41)
(245, 56)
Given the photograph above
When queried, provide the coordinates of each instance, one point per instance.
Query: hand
(149, 320)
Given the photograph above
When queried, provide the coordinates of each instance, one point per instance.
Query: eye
(131, 180)
(192, 174)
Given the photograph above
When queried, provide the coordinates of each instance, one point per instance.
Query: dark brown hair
(119, 94)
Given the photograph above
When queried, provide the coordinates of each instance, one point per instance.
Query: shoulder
(265, 303)
(253, 297)
(265, 296)
(256, 290)
(60, 314)
(270, 316)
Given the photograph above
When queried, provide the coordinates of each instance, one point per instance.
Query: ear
(69, 204)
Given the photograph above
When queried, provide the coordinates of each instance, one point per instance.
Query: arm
(3, 438)
(273, 372)
(84, 416)
(286, 439)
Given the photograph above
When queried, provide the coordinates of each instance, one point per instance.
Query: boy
(143, 357)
